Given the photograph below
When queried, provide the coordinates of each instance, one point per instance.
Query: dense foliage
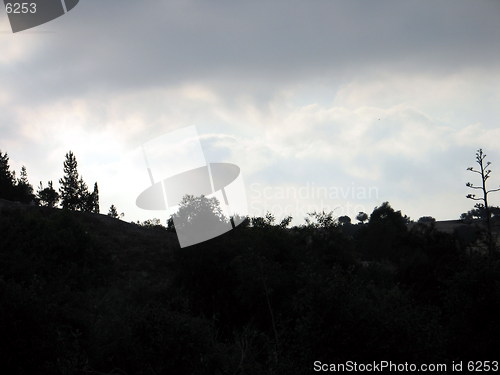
(11, 188)
(82, 293)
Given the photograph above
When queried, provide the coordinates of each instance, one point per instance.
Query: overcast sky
(334, 105)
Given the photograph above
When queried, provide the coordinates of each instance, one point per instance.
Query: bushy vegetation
(80, 296)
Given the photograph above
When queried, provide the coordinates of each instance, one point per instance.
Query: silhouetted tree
(199, 218)
(385, 233)
(24, 190)
(285, 222)
(75, 194)
(113, 212)
(320, 220)
(47, 196)
(362, 217)
(385, 213)
(170, 224)
(426, 220)
(154, 223)
(70, 187)
(85, 199)
(7, 180)
(263, 222)
(479, 214)
(344, 220)
(484, 172)
(95, 199)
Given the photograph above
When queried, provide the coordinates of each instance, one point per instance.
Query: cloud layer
(396, 95)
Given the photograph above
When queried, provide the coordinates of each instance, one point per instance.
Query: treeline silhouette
(85, 294)
(73, 193)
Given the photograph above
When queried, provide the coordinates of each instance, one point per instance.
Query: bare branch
(468, 184)
(473, 197)
(473, 170)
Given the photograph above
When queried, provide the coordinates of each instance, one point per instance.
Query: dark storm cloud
(107, 46)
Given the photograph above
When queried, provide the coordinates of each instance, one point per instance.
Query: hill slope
(83, 293)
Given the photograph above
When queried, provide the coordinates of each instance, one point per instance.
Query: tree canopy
(74, 192)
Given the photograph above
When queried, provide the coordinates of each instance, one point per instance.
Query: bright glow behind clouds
(332, 94)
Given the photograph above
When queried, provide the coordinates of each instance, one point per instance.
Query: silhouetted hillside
(84, 293)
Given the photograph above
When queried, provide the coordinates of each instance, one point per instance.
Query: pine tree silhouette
(69, 189)
(84, 197)
(7, 181)
(113, 212)
(95, 199)
(24, 190)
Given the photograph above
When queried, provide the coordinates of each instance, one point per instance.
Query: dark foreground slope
(86, 294)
